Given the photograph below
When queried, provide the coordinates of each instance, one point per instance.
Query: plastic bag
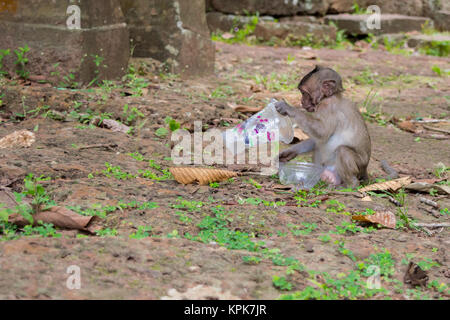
(301, 174)
(260, 129)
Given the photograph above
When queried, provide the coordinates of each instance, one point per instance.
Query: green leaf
(162, 132)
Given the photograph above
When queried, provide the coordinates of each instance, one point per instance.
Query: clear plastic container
(260, 129)
(301, 174)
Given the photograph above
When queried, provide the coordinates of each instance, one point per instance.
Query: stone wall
(98, 49)
(171, 31)
(322, 7)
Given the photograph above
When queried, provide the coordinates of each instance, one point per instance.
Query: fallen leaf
(366, 198)
(408, 126)
(22, 138)
(59, 216)
(256, 88)
(386, 219)
(388, 185)
(415, 276)
(115, 126)
(426, 187)
(186, 175)
(241, 108)
(307, 55)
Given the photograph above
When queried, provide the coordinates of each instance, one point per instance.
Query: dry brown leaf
(366, 198)
(408, 126)
(307, 55)
(186, 175)
(59, 216)
(388, 185)
(256, 88)
(427, 187)
(22, 138)
(115, 126)
(241, 108)
(386, 219)
(300, 135)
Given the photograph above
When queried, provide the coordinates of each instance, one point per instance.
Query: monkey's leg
(330, 176)
(299, 148)
(348, 166)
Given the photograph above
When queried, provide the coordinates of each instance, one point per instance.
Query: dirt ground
(170, 263)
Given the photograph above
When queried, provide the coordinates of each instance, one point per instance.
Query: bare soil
(122, 268)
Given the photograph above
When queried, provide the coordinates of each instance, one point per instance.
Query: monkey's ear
(329, 87)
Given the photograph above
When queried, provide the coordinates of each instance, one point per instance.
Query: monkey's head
(317, 85)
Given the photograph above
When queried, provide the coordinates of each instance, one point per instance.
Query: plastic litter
(261, 128)
(302, 175)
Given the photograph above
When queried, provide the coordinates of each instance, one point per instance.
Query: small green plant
(357, 9)
(436, 69)
(161, 132)
(222, 92)
(335, 206)
(440, 170)
(22, 61)
(107, 232)
(131, 114)
(116, 172)
(307, 228)
(3, 54)
(142, 232)
(238, 35)
(281, 283)
(44, 229)
(98, 60)
(173, 124)
(251, 260)
(40, 199)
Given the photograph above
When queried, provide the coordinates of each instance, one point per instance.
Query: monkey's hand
(284, 109)
(287, 155)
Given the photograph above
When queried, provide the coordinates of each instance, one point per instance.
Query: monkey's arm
(313, 126)
(299, 148)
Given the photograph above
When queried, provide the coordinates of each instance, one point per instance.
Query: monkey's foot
(330, 177)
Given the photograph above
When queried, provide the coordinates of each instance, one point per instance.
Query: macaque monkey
(338, 134)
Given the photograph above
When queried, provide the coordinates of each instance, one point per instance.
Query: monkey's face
(307, 101)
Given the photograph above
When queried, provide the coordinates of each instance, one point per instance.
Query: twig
(431, 211)
(436, 129)
(341, 193)
(430, 121)
(427, 231)
(429, 202)
(107, 146)
(396, 202)
(432, 225)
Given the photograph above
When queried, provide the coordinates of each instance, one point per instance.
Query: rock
(308, 19)
(271, 7)
(171, 31)
(295, 30)
(57, 51)
(422, 40)
(341, 6)
(226, 22)
(442, 20)
(390, 23)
